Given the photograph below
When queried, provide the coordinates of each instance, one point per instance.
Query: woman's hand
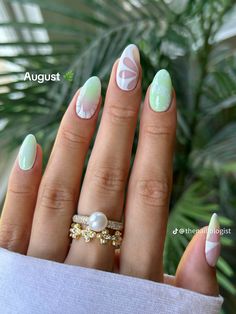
(37, 213)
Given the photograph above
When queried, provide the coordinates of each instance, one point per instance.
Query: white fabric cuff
(31, 285)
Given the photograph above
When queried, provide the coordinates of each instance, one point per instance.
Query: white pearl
(97, 221)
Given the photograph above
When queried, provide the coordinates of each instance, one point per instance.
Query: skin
(37, 212)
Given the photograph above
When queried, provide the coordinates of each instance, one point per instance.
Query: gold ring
(105, 237)
(98, 222)
(97, 226)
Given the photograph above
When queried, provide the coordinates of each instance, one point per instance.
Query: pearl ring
(98, 222)
(97, 226)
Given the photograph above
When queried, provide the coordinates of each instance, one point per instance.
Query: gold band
(111, 224)
(104, 236)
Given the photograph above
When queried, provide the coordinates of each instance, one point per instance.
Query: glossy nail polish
(212, 247)
(127, 73)
(161, 91)
(27, 153)
(88, 98)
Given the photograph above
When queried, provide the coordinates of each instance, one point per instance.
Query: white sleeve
(30, 286)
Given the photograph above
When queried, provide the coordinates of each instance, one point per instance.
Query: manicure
(161, 91)
(88, 98)
(212, 248)
(127, 73)
(27, 153)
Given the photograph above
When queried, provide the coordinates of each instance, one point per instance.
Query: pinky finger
(18, 209)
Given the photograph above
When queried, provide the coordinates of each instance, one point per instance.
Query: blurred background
(195, 40)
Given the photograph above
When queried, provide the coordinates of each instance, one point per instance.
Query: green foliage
(69, 76)
(180, 36)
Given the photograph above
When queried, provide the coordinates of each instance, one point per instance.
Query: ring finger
(59, 188)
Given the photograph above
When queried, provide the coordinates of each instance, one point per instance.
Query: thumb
(196, 270)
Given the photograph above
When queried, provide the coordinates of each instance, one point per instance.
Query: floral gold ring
(97, 226)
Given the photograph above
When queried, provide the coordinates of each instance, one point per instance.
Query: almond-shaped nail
(27, 153)
(212, 247)
(127, 73)
(161, 91)
(88, 98)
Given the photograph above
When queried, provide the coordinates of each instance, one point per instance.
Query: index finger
(150, 184)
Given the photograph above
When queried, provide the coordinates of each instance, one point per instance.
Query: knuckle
(120, 114)
(12, 234)
(72, 139)
(57, 200)
(21, 189)
(157, 131)
(154, 193)
(109, 178)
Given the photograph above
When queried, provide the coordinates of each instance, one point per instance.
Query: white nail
(212, 246)
(27, 153)
(128, 68)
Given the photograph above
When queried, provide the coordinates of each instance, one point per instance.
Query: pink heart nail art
(128, 70)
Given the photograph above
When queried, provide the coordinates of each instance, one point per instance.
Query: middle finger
(105, 179)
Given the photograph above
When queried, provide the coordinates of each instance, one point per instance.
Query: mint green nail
(88, 98)
(161, 91)
(27, 153)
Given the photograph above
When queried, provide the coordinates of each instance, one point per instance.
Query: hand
(37, 212)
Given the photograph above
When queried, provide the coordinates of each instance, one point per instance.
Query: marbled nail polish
(27, 153)
(212, 247)
(127, 73)
(88, 98)
(161, 91)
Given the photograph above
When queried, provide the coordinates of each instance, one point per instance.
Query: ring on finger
(97, 226)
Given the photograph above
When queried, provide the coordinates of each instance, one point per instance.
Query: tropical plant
(85, 38)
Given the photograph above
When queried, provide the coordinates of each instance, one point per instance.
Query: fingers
(150, 184)
(59, 190)
(196, 270)
(105, 180)
(18, 210)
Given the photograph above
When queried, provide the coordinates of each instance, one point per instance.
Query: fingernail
(88, 98)
(212, 248)
(161, 91)
(27, 153)
(128, 70)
